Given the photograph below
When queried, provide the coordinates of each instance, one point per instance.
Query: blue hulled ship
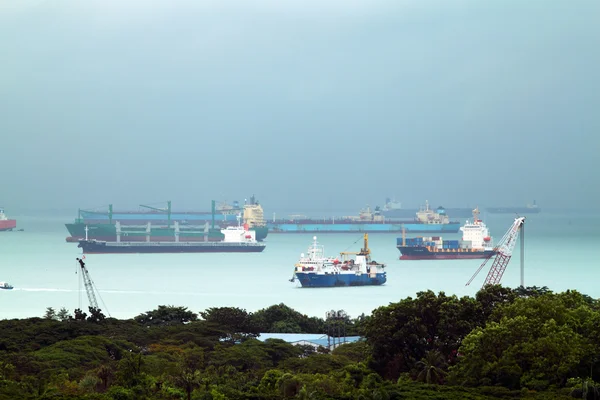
(317, 270)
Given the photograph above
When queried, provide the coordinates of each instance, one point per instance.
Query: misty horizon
(307, 105)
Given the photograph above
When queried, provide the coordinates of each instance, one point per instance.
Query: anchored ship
(5, 223)
(161, 224)
(317, 270)
(476, 242)
(392, 209)
(529, 209)
(426, 221)
(235, 240)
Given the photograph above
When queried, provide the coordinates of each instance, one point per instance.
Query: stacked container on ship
(476, 242)
(317, 270)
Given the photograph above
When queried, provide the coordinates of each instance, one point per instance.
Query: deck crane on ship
(503, 253)
(168, 210)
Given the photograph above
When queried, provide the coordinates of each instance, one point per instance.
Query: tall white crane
(503, 253)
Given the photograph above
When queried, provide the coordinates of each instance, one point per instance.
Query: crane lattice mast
(503, 254)
(89, 285)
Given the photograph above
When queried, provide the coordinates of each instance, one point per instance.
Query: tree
(401, 334)
(188, 380)
(105, 374)
(95, 315)
(533, 342)
(63, 314)
(166, 315)
(431, 368)
(236, 323)
(79, 315)
(50, 314)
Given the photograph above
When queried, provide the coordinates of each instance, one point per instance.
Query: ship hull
(452, 227)
(423, 253)
(8, 225)
(513, 210)
(93, 247)
(339, 280)
(108, 232)
(408, 213)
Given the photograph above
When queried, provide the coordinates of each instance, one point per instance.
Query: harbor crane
(90, 288)
(503, 252)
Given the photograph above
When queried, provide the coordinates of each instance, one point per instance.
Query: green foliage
(283, 319)
(526, 343)
(533, 342)
(166, 315)
(236, 323)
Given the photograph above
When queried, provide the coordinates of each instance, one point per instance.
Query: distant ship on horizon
(528, 209)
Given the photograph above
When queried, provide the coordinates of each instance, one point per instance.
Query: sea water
(560, 252)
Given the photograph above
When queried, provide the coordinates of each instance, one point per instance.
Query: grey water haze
(305, 103)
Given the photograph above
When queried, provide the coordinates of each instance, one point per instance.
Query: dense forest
(502, 344)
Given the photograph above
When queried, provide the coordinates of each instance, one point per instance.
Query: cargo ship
(317, 270)
(5, 223)
(393, 210)
(235, 240)
(161, 224)
(6, 286)
(476, 242)
(528, 209)
(426, 221)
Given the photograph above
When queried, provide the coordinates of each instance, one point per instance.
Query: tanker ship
(426, 221)
(5, 223)
(393, 209)
(160, 224)
(476, 242)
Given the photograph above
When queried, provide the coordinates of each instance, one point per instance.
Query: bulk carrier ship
(235, 240)
(161, 224)
(476, 243)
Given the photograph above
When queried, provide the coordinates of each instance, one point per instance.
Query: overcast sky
(306, 103)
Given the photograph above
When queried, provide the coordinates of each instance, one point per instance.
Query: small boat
(317, 270)
(5, 285)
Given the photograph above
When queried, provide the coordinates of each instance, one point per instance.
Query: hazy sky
(305, 103)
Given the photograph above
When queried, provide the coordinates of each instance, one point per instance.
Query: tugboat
(317, 270)
(5, 285)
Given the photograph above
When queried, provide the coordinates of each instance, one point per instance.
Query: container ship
(393, 210)
(235, 240)
(317, 270)
(476, 242)
(162, 224)
(426, 221)
(5, 223)
(529, 209)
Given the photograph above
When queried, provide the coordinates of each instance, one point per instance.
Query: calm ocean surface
(560, 252)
